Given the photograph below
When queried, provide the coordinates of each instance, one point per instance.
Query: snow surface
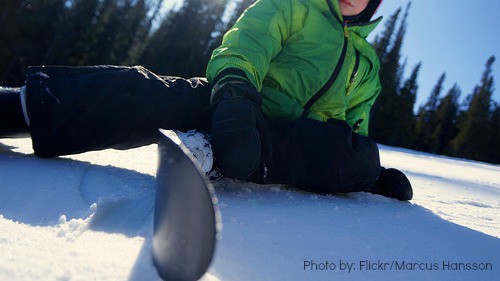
(90, 217)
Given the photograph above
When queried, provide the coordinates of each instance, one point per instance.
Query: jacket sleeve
(250, 45)
(361, 112)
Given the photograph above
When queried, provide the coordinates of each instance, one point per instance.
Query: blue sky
(456, 37)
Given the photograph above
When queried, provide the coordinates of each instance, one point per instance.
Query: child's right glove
(239, 135)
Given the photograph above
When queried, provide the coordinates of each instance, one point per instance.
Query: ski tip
(187, 220)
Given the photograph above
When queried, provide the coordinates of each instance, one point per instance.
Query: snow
(90, 217)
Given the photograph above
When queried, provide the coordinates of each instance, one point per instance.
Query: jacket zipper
(337, 68)
(354, 72)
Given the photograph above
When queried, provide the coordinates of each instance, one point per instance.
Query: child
(308, 66)
(293, 84)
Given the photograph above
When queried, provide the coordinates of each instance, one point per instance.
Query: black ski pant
(322, 157)
(78, 109)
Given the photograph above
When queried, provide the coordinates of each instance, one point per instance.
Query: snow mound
(199, 146)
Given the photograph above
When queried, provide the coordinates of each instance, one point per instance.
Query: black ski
(186, 220)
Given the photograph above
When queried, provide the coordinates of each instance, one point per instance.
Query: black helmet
(366, 14)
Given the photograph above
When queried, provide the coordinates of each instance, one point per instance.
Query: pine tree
(144, 32)
(8, 33)
(222, 27)
(382, 42)
(384, 127)
(26, 33)
(179, 45)
(474, 139)
(84, 32)
(445, 117)
(70, 45)
(116, 26)
(408, 95)
(494, 146)
(426, 119)
(380, 120)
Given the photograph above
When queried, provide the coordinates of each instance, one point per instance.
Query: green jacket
(300, 54)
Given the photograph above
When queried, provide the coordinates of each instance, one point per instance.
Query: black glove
(394, 184)
(239, 136)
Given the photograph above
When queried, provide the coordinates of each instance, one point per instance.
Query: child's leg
(322, 157)
(12, 122)
(77, 109)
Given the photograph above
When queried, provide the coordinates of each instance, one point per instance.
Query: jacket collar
(362, 29)
(365, 29)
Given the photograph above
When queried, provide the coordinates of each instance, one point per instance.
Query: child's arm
(249, 46)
